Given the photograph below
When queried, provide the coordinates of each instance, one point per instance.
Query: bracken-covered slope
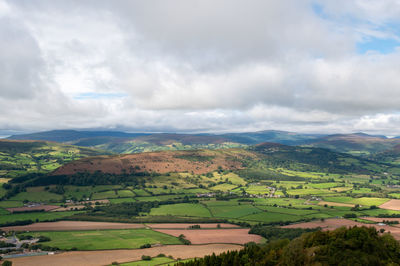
(198, 162)
(22, 157)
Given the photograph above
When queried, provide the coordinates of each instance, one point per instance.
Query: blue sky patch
(383, 46)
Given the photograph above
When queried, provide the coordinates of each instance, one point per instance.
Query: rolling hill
(356, 144)
(20, 157)
(121, 142)
(260, 157)
(72, 135)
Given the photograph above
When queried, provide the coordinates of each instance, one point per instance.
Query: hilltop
(359, 144)
(122, 142)
(356, 144)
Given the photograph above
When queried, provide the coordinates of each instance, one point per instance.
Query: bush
(196, 226)
(350, 215)
(144, 257)
(183, 239)
(145, 246)
(43, 239)
(25, 237)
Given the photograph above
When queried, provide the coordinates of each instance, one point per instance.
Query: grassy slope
(21, 157)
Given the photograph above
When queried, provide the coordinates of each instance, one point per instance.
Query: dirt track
(106, 257)
(71, 226)
(393, 204)
(205, 236)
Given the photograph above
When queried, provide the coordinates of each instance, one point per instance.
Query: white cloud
(198, 65)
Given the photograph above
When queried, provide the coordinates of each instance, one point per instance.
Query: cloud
(21, 64)
(199, 65)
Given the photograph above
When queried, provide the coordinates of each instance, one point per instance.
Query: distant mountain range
(283, 137)
(121, 142)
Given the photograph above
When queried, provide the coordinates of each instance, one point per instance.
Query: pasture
(364, 201)
(36, 196)
(105, 239)
(232, 211)
(182, 209)
(152, 262)
(35, 216)
(268, 217)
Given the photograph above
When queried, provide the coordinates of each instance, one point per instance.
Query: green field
(37, 196)
(223, 187)
(19, 158)
(10, 204)
(257, 189)
(119, 200)
(230, 211)
(291, 211)
(3, 212)
(106, 239)
(183, 209)
(152, 262)
(39, 216)
(158, 198)
(105, 195)
(267, 217)
(361, 201)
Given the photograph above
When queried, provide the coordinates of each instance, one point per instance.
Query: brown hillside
(198, 162)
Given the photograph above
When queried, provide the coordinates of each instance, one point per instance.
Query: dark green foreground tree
(354, 246)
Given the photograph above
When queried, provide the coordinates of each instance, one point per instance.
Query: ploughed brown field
(71, 226)
(160, 162)
(204, 236)
(185, 226)
(33, 208)
(331, 224)
(380, 220)
(393, 204)
(106, 257)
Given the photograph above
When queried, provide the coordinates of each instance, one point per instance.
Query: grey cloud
(194, 65)
(21, 64)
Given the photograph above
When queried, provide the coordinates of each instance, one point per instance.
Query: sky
(315, 66)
